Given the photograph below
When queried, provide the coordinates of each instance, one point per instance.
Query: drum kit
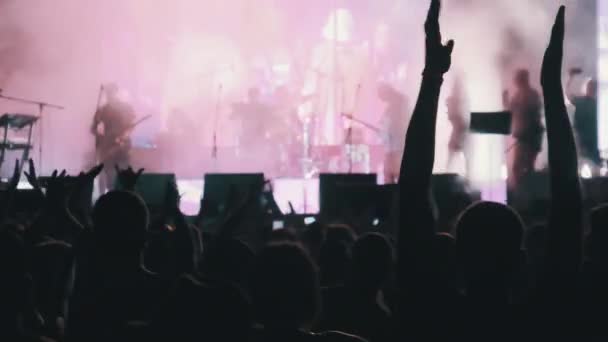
(289, 137)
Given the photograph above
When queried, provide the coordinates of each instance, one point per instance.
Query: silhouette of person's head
(522, 79)
(372, 261)
(599, 235)
(335, 254)
(489, 241)
(120, 221)
(285, 288)
(312, 238)
(341, 232)
(334, 258)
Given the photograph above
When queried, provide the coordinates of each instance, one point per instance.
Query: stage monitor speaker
(364, 201)
(330, 198)
(152, 187)
(218, 186)
(367, 201)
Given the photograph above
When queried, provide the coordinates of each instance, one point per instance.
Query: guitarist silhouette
(112, 126)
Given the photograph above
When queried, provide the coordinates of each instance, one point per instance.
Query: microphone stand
(41, 106)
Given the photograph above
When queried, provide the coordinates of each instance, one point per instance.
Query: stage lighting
(586, 172)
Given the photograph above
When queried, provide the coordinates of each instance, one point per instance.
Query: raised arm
(416, 219)
(565, 233)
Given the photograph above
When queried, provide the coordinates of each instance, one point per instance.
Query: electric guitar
(107, 147)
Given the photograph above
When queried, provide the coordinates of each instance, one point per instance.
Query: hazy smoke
(60, 51)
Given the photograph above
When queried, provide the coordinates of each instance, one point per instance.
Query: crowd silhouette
(116, 271)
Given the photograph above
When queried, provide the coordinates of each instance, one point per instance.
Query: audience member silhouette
(335, 254)
(112, 286)
(595, 277)
(19, 321)
(230, 261)
(201, 311)
(285, 294)
(51, 267)
(358, 307)
(489, 237)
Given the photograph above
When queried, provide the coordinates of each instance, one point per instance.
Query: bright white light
(586, 171)
(191, 193)
(504, 172)
(24, 185)
(604, 169)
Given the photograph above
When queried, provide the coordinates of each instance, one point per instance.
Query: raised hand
(552, 62)
(85, 180)
(438, 56)
(416, 223)
(563, 250)
(14, 182)
(31, 176)
(57, 188)
(94, 172)
(128, 177)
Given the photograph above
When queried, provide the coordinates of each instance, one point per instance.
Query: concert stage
(320, 70)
